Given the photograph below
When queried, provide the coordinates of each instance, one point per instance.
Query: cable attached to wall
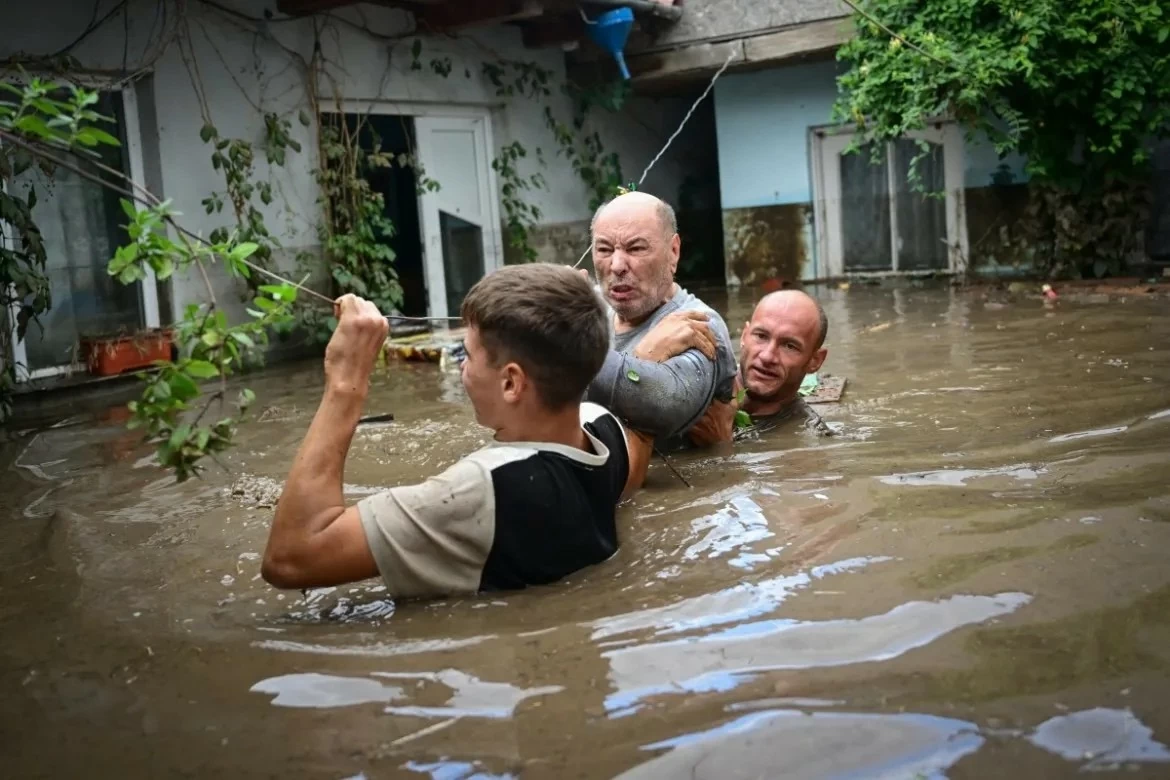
(670, 140)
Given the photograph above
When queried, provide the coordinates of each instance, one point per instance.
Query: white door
(872, 219)
(460, 221)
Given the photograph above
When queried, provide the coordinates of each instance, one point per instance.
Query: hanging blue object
(610, 31)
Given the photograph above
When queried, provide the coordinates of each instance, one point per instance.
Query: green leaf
(243, 251)
(212, 338)
(243, 338)
(1163, 34)
(178, 436)
(201, 369)
(743, 420)
(632, 375)
(207, 132)
(183, 387)
(33, 125)
(282, 292)
(103, 137)
(303, 116)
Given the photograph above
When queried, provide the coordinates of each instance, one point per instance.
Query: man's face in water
(634, 255)
(780, 346)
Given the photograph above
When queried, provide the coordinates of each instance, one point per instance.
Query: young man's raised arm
(315, 539)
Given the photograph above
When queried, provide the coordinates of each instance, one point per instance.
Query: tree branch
(150, 200)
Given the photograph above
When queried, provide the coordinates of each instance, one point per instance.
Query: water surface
(970, 578)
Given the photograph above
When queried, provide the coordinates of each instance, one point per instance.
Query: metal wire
(670, 140)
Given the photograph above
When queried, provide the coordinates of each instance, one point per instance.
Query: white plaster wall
(247, 69)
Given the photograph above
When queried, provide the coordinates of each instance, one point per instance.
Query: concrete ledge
(701, 59)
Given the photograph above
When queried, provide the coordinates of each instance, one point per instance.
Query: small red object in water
(1049, 293)
(772, 285)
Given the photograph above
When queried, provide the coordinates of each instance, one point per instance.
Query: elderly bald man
(781, 344)
(650, 379)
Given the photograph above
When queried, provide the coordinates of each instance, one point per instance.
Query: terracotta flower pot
(110, 355)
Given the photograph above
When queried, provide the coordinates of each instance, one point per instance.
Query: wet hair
(547, 319)
(667, 219)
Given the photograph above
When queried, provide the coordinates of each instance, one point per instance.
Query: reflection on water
(969, 580)
(960, 477)
(719, 660)
(743, 601)
(1102, 737)
(820, 745)
(843, 745)
(325, 690)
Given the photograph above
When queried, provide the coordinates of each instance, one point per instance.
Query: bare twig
(150, 200)
(670, 466)
(218, 394)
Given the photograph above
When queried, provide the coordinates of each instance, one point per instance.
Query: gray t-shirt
(665, 399)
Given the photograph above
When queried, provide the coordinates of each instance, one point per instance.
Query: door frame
(148, 286)
(493, 259)
(828, 254)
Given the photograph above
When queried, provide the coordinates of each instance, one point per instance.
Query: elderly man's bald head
(796, 304)
(635, 252)
(635, 204)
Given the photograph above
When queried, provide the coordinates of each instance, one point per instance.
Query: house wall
(245, 69)
(763, 120)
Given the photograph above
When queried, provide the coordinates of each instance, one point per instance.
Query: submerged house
(794, 207)
(506, 123)
(469, 101)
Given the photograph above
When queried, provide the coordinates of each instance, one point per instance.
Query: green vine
(66, 133)
(599, 170)
(356, 231)
(66, 120)
(236, 159)
(1079, 89)
(520, 215)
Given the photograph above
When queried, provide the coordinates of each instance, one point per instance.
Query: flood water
(971, 579)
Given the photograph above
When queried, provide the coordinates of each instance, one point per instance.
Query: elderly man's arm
(661, 398)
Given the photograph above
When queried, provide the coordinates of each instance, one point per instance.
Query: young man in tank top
(537, 504)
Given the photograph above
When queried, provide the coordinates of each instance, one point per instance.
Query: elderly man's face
(635, 257)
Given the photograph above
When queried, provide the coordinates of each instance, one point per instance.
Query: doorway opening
(393, 136)
(440, 193)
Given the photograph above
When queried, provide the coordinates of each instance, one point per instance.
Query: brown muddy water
(972, 578)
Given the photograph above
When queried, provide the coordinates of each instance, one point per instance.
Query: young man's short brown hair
(546, 318)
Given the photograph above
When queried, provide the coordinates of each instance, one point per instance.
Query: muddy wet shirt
(665, 399)
(797, 412)
(505, 517)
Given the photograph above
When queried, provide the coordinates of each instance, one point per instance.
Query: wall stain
(766, 243)
(560, 243)
(993, 217)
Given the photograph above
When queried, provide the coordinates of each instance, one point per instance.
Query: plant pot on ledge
(114, 354)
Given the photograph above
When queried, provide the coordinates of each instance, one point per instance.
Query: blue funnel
(610, 31)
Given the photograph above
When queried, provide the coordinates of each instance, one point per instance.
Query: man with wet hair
(782, 343)
(537, 504)
(650, 378)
